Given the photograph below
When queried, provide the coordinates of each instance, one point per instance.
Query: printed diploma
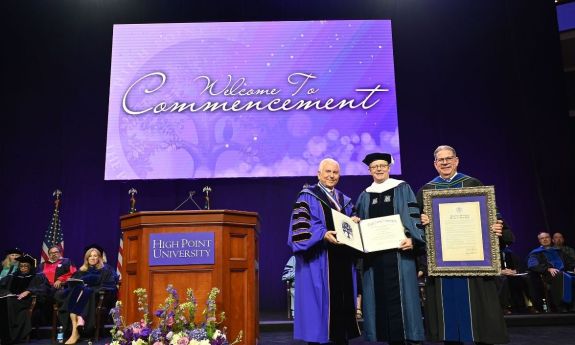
(369, 235)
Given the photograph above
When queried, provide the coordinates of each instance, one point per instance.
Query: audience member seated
(57, 270)
(513, 284)
(16, 291)
(9, 264)
(559, 242)
(288, 277)
(553, 266)
(79, 297)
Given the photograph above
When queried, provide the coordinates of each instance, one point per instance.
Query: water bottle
(60, 336)
(544, 305)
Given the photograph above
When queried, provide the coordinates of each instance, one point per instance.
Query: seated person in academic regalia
(57, 270)
(16, 292)
(79, 297)
(559, 242)
(288, 276)
(10, 264)
(556, 270)
(513, 285)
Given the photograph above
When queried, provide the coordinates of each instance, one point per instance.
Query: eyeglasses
(55, 252)
(379, 166)
(445, 160)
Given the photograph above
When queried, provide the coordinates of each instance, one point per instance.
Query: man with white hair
(326, 294)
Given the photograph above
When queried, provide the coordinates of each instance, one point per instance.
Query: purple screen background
(343, 56)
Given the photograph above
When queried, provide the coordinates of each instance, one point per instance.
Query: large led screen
(249, 99)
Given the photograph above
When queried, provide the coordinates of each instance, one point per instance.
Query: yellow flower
(139, 342)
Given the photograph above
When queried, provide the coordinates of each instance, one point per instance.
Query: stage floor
(275, 329)
(542, 335)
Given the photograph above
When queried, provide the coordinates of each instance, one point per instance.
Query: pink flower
(183, 341)
(170, 321)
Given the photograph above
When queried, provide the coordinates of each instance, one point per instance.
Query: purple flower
(172, 291)
(220, 341)
(156, 334)
(145, 332)
(159, 313)
(198, 334)
(128, 334)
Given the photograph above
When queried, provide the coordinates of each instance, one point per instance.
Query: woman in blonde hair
(10, 264)
(79, 297)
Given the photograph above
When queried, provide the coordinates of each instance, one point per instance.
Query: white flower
(139, 342)
(217, 334)
(176, 337)
(200, 342)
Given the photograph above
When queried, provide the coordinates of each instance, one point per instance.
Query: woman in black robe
(16, 291)
(79, 298)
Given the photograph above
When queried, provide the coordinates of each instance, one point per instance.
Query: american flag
(119, 264)
(54, 235)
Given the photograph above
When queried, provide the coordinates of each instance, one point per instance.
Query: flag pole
(53, 235)
(56, 194)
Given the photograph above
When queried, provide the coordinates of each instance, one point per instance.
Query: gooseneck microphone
(190, 197)
(194, 201)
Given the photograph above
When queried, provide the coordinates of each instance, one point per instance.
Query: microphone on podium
(190, 197)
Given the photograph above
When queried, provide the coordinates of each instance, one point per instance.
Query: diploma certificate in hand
(369, 235)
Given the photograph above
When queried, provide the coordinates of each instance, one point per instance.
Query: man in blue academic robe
(552, 266)
(326, 288)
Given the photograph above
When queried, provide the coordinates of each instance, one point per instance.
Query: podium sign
(185, 248)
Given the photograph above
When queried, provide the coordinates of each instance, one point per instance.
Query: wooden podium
(234, 272)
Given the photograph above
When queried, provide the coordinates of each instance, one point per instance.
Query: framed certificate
(459, 239)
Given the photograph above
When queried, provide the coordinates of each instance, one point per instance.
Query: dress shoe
(72, 340)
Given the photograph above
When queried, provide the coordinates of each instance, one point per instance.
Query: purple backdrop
(483, 76)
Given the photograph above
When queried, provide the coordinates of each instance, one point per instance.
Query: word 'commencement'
(234, 89)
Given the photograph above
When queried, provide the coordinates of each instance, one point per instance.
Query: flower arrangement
(176, 324)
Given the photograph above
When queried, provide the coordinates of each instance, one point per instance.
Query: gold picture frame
(459, 237)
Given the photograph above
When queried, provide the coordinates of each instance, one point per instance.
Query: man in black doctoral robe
(16, 291)
(461, 309)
